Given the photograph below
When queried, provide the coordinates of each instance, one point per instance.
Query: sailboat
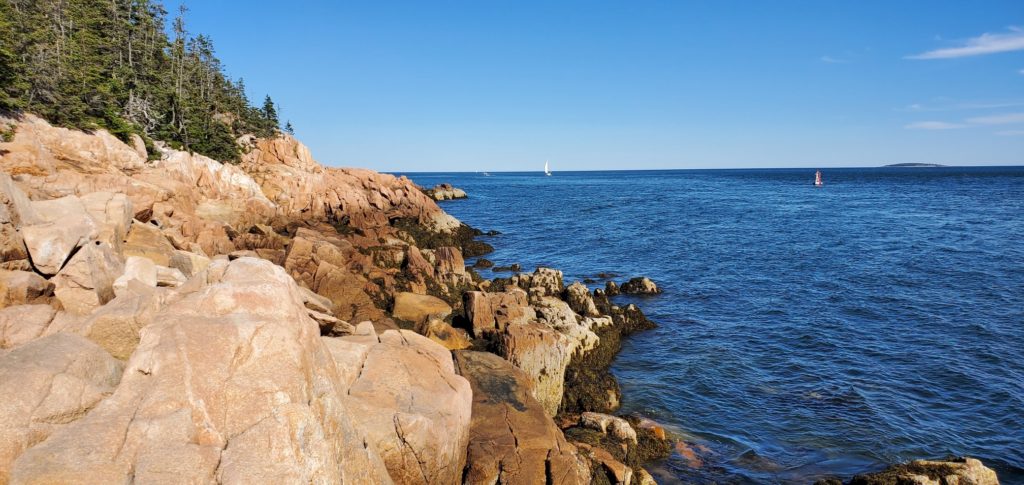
(817, 179)
(547, 169)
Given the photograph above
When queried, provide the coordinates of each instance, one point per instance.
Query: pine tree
(111, 64)
(289, 129)
(270, 112)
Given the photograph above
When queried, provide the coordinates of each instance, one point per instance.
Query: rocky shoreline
(278, 321)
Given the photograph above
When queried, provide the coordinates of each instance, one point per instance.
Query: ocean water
(803, 331)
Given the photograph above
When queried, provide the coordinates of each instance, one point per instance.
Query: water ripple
(803, 332)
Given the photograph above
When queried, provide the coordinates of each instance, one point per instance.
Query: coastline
(280, 320)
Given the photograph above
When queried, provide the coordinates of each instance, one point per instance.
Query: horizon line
(1014, 165)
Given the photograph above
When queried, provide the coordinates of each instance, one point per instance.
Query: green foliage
(110, 64)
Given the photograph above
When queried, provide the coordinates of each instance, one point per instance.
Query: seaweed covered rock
(625, 440)
(959, 471)
(641, 285)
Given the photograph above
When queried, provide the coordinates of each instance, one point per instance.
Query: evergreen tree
(289, 129)
(110, 64)
(270, 112)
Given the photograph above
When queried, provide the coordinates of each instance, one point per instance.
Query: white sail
(547, 170)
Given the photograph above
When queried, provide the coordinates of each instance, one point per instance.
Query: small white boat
(817, 179)
(547, 169)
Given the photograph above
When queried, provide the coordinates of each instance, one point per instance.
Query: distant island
(914, 164)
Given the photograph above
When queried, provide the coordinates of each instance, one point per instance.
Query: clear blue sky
(504, 85)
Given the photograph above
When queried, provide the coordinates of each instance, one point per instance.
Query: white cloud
(983, 44)
(933, 125)
(1010, 133)
(833, 60)
(1003, 119)
(947, 105)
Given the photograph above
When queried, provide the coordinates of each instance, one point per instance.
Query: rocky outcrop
(445, 192)
(255, 309)
(46, 385)
(490, 313)
(640, 286)
(412, 407)
(23, 287)
(543, 353)
(233, 385)
(528, 448)
(418, 309)
(930, 472)
(22, 323)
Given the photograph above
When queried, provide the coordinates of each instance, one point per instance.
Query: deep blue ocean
(803, 331)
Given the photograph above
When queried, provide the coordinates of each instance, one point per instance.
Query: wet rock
(515, 268)
(640, 286)
(23, 323)
(419, 309)
(643, 477)
(621, 438)
(607, 466)
(611, 288)
(483, 263)
(23, 287)
(589, 384)
(413, 409)
(614, 426)
(932, 472)
(512, 440)
(47, 384)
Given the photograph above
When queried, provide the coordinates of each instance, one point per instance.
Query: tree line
(112, 64)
